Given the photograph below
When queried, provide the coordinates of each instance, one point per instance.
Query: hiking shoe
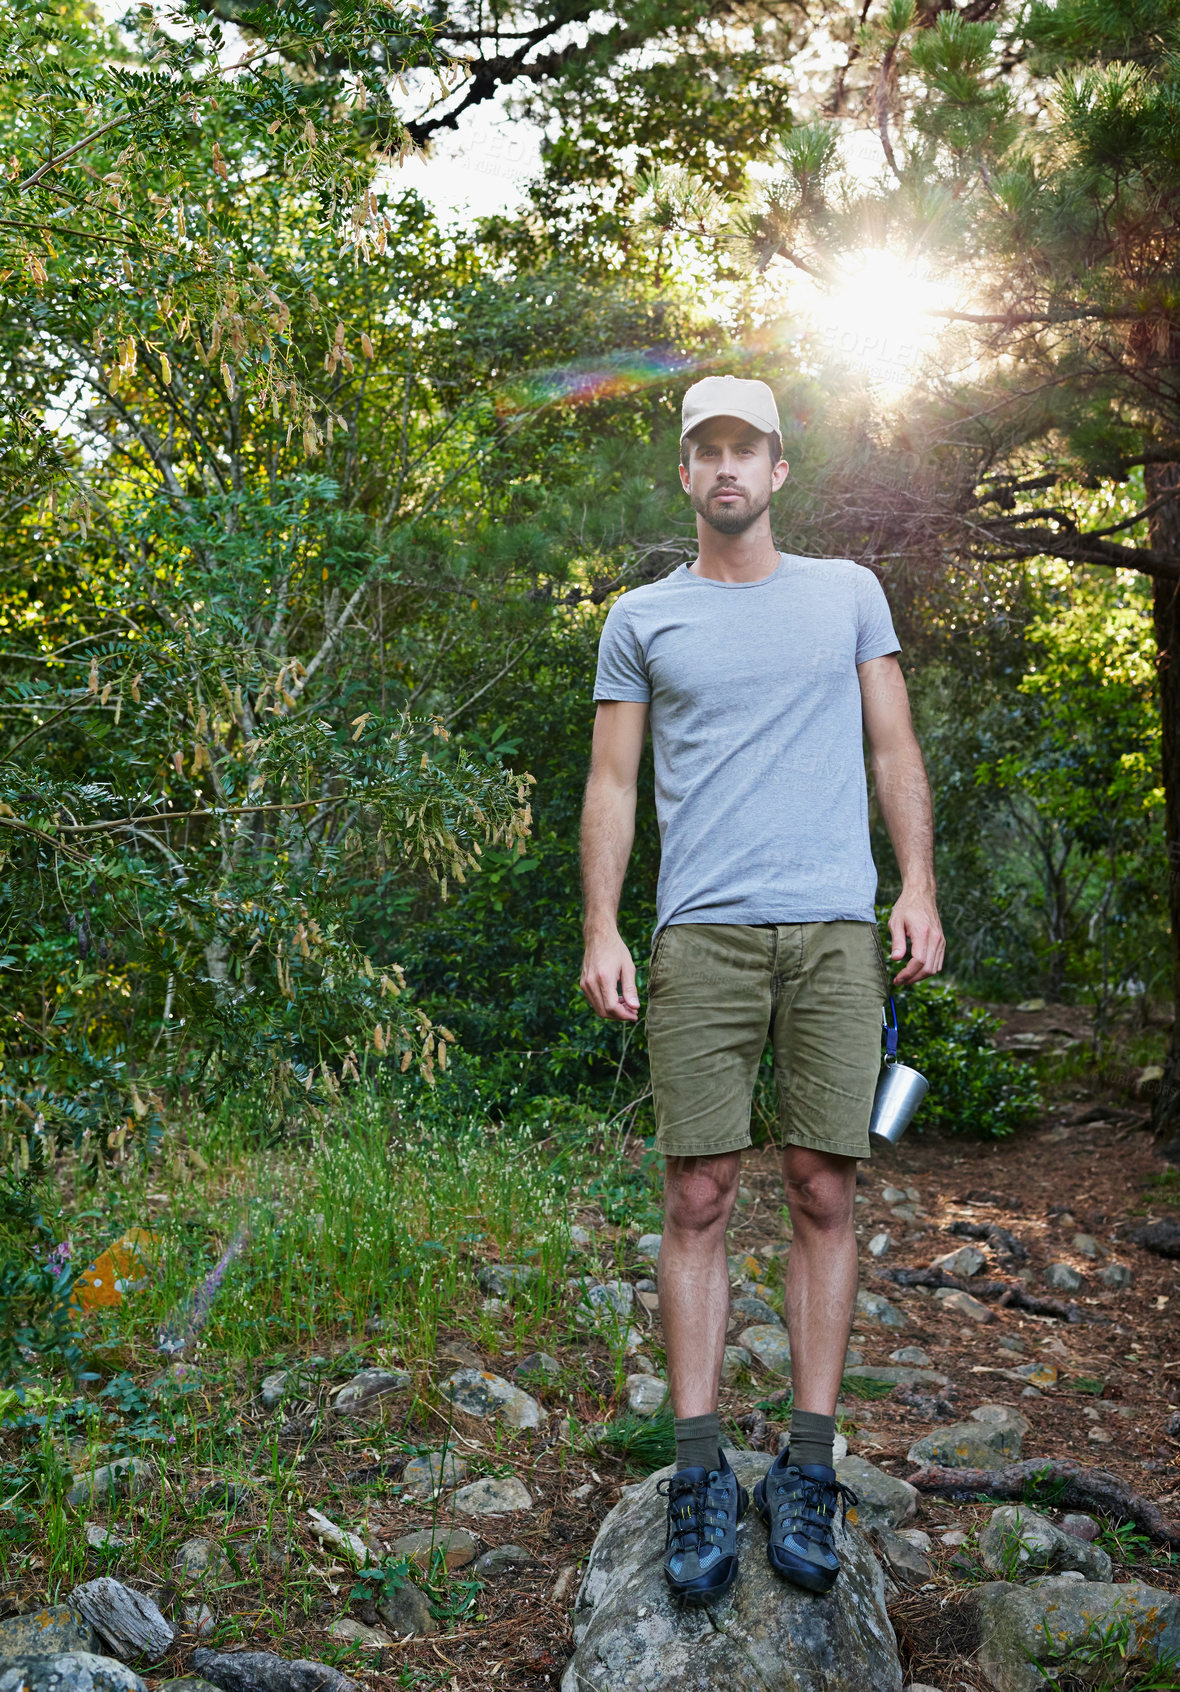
(798, 1504)
(704, 1509)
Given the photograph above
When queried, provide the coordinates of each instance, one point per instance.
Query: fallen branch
(1070, 1484)
(1012, 1293)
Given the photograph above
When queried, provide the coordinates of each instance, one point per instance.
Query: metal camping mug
(900, 1089)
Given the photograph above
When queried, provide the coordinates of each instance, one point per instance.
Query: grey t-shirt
(756, 728)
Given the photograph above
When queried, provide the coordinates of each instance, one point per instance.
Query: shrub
(974, 1089)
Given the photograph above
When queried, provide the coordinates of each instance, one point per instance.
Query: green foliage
(1124, 1542)
(641, 1443)
(377, 1583)
(176, 119)
(1109, 1657)
(856, 1386)
(36, 1275)
(505, 955)
(973, 1088)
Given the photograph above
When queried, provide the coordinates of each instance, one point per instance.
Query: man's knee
(820, 1188)
(699, 1192)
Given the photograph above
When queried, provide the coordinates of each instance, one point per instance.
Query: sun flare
(877, 317)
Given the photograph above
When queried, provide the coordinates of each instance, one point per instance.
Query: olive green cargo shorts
(716, 990)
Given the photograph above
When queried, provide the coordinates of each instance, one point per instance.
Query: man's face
(729, 476)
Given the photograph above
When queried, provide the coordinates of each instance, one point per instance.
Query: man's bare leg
(799, 1495)
(821, 1272)
(699, 1194)
(705, 1499)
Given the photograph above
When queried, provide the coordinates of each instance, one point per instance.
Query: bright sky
(482, 168)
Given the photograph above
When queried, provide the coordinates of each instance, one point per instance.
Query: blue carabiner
(890, 1032)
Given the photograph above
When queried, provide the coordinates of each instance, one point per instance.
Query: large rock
(771, 1346)
(502, 1280)
(754, 1310)
(612, 1301)
(905, 1561)
(876, 1308)
(896, 1374)
(407, 1611)
(1022, 1626)
(961, 1303)
(967, 1260)
(883, 1500)
(262, 1671)
(357, 1395)
(970, 1445)
(631, 1635)
(48, 1632)
(1063, 1277)
(1018, 1542)
(433, 1472)
(645, 1394)
(1162, 1237)
(72, 1671)
(126, 1477)
(353, 1632)
(200, 1559)
(456, 1546)
(127, 1620)
(493, 1497)
(479, 1393)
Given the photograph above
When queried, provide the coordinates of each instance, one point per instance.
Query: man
(763, 672)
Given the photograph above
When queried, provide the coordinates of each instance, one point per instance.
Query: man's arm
(608, 829)
(903, 793)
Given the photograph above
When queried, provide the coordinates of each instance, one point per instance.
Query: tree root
(1010, 1293)
(1063, 1483)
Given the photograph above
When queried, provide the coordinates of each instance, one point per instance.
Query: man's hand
(608, 978)
(914, 921)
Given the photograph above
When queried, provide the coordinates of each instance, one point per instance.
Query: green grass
(856, 1386)
(1106, 1659)
(366, 1226)
(641, 1443)
(1085, 1383)
(360, 1246)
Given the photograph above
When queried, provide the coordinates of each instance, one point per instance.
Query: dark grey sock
(698, 1440)
(812, 1437)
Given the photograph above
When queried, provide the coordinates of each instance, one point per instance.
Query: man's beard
(731, 519)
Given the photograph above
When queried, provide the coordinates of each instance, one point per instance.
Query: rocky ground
(483, 1476)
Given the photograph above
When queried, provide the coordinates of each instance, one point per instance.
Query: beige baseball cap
(730, 396)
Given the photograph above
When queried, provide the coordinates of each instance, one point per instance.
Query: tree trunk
(1164, 531)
